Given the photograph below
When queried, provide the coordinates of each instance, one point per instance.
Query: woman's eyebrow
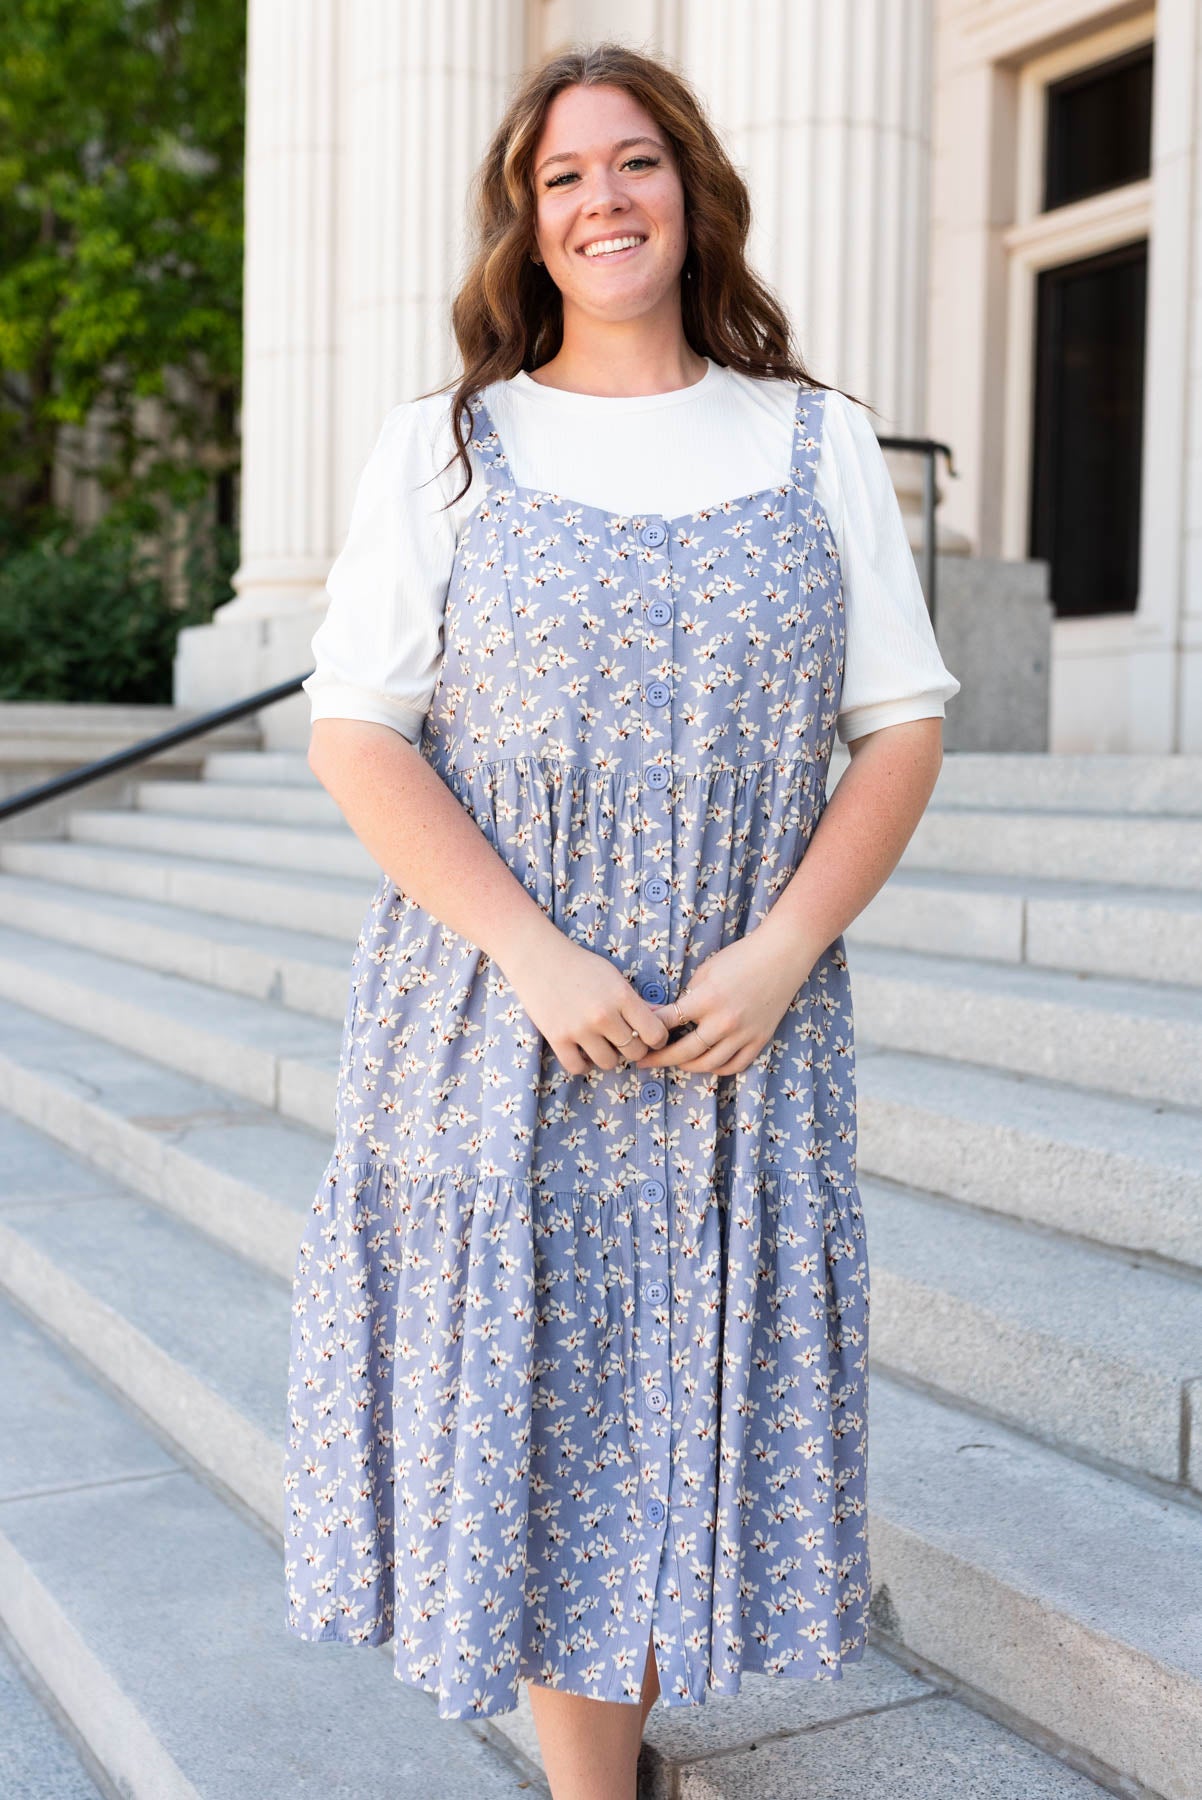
(622, 144)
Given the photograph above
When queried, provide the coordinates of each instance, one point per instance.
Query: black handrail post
(929, 448)
(928, 513)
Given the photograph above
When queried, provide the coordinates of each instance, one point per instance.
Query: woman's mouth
(614, 249)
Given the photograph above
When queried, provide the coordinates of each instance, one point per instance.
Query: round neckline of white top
(566, 400)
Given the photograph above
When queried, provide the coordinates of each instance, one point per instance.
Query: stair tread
(220, 1320)
(222, 1131)
(1102, 1302)
(260, 1023)
(1166, 1136)
(1018, 981)
(1036, 888)
(38, 1759)
(1040, 1521)
(82, 853)
(140, 1556)
(278, 941)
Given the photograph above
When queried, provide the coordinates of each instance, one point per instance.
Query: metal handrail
(135, 753)
(927, 447)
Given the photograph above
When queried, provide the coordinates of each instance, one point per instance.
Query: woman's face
(603, 171)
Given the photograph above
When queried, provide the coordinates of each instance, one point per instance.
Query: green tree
(121, 150)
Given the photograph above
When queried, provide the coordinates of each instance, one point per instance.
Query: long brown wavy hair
(508, 313)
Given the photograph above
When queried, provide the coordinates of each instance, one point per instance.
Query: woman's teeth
(610, 245)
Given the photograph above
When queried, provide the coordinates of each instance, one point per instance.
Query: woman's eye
(651, 161)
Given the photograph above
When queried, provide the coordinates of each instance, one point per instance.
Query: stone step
(1067, 1594)
(1141, 1039)
(232, 1170)
(1126, 850)
(38, 1753)
(896, 1750)
(961, 1555)
(306, 849)
(282, 768)
(193, 1336)
(327, 905)
(1100, 1167)
(153, 1612)
(279, 803)
(1062, 782)
(300, 970)
(1081, 1347)
(252, 1048)
(1146, 934)
(1103, 781)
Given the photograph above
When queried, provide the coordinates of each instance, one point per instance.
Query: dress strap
(808, 417)
(484, 439)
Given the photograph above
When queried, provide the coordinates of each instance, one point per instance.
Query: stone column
(365, 120)
(826, 110)
(288, 397)
(1166, 667)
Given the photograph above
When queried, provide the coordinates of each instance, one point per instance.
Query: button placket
(656, 892)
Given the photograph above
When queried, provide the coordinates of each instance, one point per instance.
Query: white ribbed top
(378, 649)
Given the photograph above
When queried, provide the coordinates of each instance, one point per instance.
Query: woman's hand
(735, 1001)
(584, 1007)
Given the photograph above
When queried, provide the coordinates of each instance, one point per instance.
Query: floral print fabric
(579, 1359)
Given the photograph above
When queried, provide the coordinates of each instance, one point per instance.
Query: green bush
(85, 616)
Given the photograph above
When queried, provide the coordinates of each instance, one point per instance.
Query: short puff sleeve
(378, 650)
(892, 668)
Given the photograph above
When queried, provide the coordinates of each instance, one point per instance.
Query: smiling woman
(615, 203)
(580, 1334)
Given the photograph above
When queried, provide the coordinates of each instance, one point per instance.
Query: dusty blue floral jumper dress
(581, 1358)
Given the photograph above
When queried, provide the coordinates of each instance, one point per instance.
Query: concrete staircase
(1028, 993)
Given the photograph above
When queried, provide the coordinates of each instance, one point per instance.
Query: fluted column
(291, 295)
(426, 85)
(826, 110)
(365, 121)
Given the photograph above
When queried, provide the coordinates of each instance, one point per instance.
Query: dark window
(1088, 437)
(1099, 128)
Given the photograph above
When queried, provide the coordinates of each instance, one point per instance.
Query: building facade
(1009, 196)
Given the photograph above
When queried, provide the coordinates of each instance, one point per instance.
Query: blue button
(657, 1399)
(658, 693)
(656, 888)
(659, 612)
(656, 1510)
(655, 992)
(653, 535)
(653, 1190)
(656, 1290)
(651, 1091)
(658, 776)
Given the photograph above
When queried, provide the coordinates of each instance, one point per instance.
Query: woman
(580, 1334)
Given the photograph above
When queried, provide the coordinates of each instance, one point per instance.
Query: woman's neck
(578, 373)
